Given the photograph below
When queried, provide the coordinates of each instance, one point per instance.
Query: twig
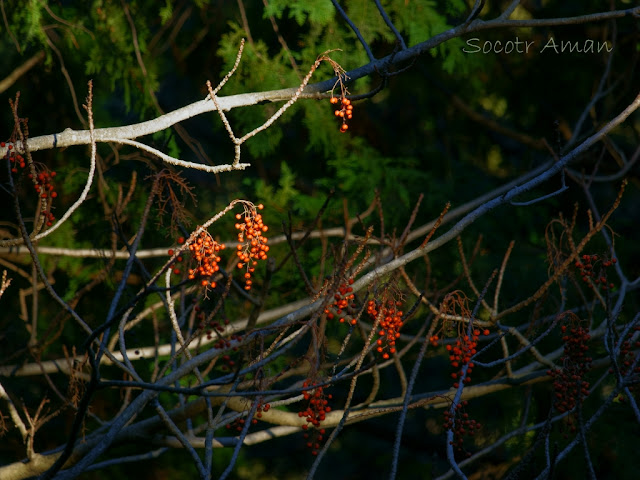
(13, 77)
(407, 397)
(390, 24)
(501, 277)
(4, 283)
(353, 27)
(13, 413)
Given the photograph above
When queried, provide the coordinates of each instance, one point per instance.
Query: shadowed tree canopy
(319, 239)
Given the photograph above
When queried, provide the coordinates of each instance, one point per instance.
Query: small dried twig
(595, 228)
(238, 141)
(501, 277)
(4, 283)
(436, 225)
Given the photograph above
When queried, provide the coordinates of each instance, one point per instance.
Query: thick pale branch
(70, 137)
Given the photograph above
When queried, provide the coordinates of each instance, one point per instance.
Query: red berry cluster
(238, 424)
(316, 411)
(461, 424)
(628, 357)
(211, 326)
(42, 183)
(390, 324)
(223, 343)
(179, 259)
(313, 440)
(205, 250)
(460, 354)
(568, 382)
(16, 159)
(345, 111)
(228, 363)
(44, 187)
(343, 299)
(253, 245)
(586, 268)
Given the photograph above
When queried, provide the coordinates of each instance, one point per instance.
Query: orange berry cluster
(390, 325)
(204, 250)
(343, 300)
(238, 424)
(345, 111)
(252, 244)
(586, 270)
(461, 424)
(315, 413)
(460, 354)
(568, 382)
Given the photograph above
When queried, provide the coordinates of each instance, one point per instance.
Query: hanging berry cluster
(343, 300)
(460, 355)
(569, 384)
(14, 158)
(179, 259)
(586, 268)
(238, 424)
(204, 250)
(390, 324)
(344, 111)
(628, 360)
(44, 186)
(42, 182)
(252, 243)
(213, 327)
(315, 413)
(224, 343)
(461, 424)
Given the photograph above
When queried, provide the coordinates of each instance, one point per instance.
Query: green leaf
(166, 12)
(318, 12)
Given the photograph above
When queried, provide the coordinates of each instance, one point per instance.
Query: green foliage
(169, 142)
(408, 139)
(166, 12)
(26, 24)
(322, 140)
(314, 11)
(112, 53)
(282, 197)
(369, 21)
(363, 170)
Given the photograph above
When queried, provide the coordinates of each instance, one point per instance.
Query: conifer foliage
(380, 239)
